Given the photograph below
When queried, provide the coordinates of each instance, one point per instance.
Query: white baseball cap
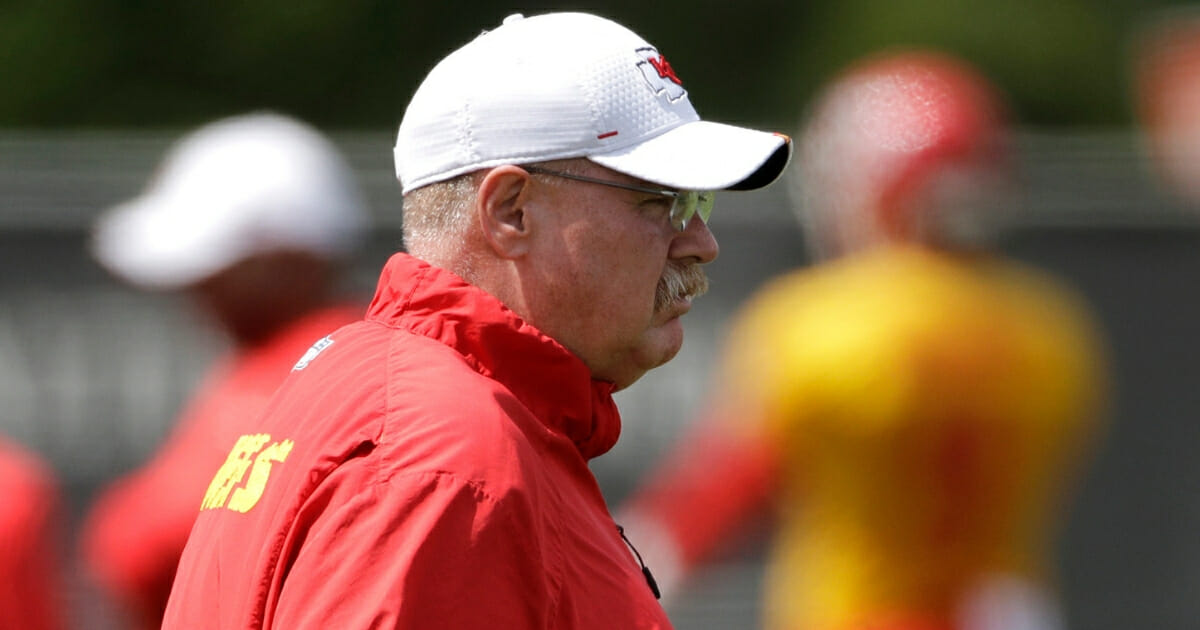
(234, 188)
(568, 85)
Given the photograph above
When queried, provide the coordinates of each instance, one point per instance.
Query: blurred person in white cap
(428, 467)
(909, 412)
(255, 216)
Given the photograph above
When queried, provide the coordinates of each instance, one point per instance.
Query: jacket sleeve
(133, 551)
(418, 550)
(31, 558)
(701, 496)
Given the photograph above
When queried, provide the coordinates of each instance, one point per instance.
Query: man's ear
(500, 206)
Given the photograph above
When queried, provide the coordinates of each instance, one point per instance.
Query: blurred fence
(92, 372)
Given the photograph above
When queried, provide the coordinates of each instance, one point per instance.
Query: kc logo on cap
(660, 75)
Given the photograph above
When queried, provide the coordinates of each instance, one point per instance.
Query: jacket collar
(546, 377)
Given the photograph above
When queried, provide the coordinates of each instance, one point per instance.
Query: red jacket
(133, 550)
(424, 468)
(31, 577)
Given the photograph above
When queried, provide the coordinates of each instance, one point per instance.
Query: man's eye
(657, 204)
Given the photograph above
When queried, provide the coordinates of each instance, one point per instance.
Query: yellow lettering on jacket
(247, 454)
(245, 497)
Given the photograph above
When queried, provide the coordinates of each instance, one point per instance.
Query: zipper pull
(650, 581)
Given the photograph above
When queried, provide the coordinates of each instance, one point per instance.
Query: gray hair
(438, 216)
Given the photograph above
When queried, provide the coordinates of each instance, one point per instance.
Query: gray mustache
(678, 281)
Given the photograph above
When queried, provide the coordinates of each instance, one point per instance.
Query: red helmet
(888, 138)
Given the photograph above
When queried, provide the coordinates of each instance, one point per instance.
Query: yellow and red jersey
(920, 414)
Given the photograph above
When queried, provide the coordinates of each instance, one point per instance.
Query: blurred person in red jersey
(912, 406)
(1166, 83)
(254, 217)
(427, 467)
(31, 526)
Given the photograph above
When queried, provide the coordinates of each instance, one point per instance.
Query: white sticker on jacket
(310, 354)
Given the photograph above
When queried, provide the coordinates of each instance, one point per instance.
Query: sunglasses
(685, 203)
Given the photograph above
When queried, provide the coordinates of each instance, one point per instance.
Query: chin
(658, 346)
(663, 343)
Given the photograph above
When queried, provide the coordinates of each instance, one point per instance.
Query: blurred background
(92, 372)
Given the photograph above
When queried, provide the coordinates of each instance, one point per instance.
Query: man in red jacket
(428, 467)
(252, 216)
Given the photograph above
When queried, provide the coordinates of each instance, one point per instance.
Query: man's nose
(696, 241)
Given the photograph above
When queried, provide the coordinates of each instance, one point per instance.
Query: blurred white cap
(232, 189)
(569, 85)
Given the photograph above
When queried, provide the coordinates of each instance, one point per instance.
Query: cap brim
(704, 155)
(148, 248)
